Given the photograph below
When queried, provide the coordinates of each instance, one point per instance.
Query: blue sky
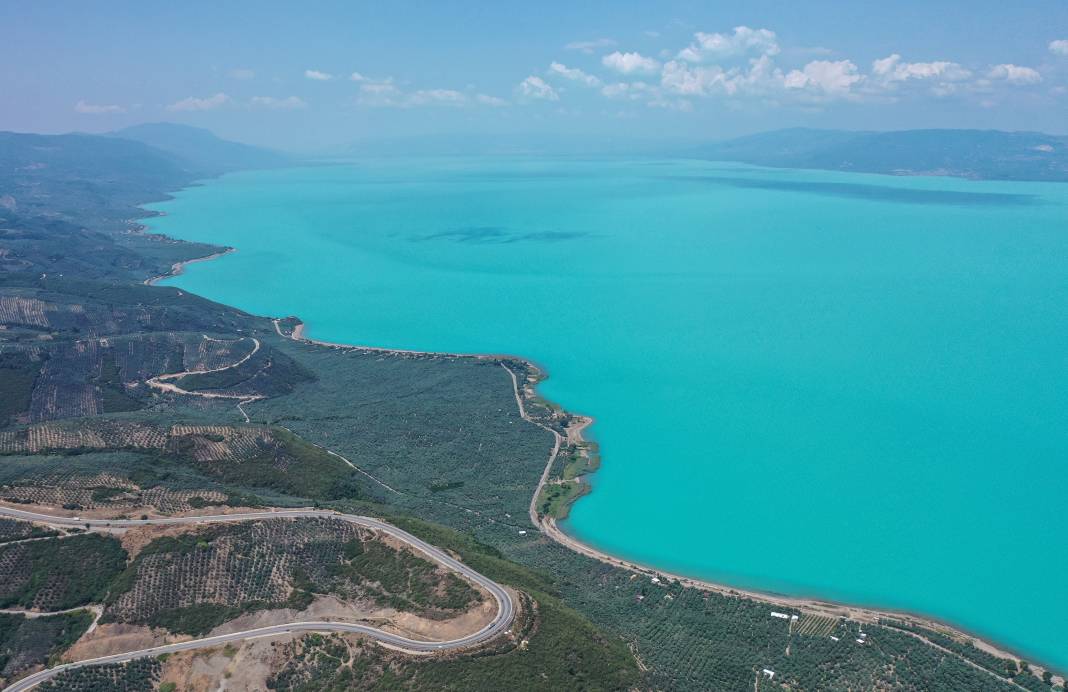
(316, 75)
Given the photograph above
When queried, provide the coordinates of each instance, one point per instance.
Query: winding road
(502, 621)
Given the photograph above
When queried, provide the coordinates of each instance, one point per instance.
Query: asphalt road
(506, 608)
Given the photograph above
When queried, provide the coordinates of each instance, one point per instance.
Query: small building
(769, 674)
(781, 616)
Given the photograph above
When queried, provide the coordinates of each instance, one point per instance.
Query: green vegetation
(268, 372)
(482, 557)
(189, 583)
(556, 498)
(59, 573)
(17, 375)
(1003, 668)
(576, 464)
(400, 579)
(139, 675)
(561, 652)
(112, 393)
(295, 467)
(15, 530)
(201, 618)
(445, 433)
(413, 422)
(27, 642)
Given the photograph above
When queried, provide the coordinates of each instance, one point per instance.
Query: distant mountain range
(166, 155)
(976, 154)
(201, 150)
(82, 177)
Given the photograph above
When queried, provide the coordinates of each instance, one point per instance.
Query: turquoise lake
(840, 385)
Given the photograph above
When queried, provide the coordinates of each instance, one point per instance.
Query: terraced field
(58, 573)
(251, 455)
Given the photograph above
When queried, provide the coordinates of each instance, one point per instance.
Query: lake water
(842, 385)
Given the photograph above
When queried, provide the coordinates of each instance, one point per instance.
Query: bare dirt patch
(243, 667)
(115, 638)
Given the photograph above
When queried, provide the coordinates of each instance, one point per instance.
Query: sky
(318, 76)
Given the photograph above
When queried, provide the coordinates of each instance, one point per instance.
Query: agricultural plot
(253, 456)
(269, 372)
(29, 642)
(86, 377)
(104, 490)
(443, 432)
(209, 354)
(141, 675)
(31, 311)
(817, 625)
(14, 530)
(194, 581)
(58, 573)
(63, 388)
(85, 435)
(18, 372)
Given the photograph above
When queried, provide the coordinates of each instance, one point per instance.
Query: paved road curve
(506, 608)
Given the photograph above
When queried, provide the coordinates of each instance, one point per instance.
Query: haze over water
(846, 386)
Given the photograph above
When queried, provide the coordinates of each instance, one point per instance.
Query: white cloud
(589, 47)
(743, 41)
(318, 76)
(574, 74)
(357, 77)
(388, 95)
(684, 79)
(1059, 47)
(671, 104)
(241, 73)
(537, 88)
(442, 97)
(379, 94)
(891, 69)
(824, 76)
(487, 100)
(200, 104)
(289, 103)
(97, 108)
(1014, 74)
(626, 90)
(680, 78)
(630, 63)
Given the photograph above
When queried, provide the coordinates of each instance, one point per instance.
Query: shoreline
(549, 527)
(178, 267)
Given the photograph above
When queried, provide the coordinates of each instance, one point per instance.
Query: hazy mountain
(201, 149)
(82, 176)
(27, 156)
(978, 154)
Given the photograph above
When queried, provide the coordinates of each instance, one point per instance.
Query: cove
(847, 386)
